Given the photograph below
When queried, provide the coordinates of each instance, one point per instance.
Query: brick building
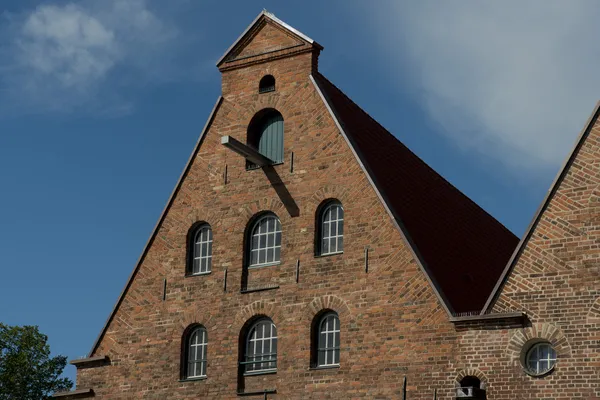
(306, 253)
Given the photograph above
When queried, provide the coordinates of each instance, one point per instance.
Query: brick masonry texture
(392, 323)
(556, 281)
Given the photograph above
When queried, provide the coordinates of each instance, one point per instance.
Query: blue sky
(102, 101)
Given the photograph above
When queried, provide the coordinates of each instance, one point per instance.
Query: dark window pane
(278, 239)
(321, 360)
(277, 255)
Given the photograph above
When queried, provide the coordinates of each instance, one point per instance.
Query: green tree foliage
(27, 372)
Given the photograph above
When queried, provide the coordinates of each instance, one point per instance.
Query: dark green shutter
(271, 138)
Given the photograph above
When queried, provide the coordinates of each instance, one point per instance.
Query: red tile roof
(462, 247)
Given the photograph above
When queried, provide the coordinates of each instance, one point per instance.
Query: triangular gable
(266, 35)
(540, 211)
(461, 248)
(157, 226)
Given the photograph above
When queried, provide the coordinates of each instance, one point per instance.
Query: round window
(540, 358)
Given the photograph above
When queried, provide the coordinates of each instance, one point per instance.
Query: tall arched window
(196, 341)
(267, 84)
(265, 242)
(261, 347)
(331, 228)
(327, 335)
(265, 133)
(200, 250)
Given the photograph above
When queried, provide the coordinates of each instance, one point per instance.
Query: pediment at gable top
(265, 39)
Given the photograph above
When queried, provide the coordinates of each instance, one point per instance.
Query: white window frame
(332, 326)
(203, 239)
(326, 234)
(550, 358)
(264, 348)
(258, 233)
(196, 353)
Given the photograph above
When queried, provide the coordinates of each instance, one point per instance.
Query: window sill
(328, 254)
(324, 367)
(258, 392)
(264, 266)
(196, 378)
(198, 274)
(254, 168)
(259, 289)
(534, 374)
(263, 372)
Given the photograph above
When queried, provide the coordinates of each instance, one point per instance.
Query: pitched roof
(463, 248)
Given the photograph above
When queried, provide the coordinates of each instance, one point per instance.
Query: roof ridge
(446, 181)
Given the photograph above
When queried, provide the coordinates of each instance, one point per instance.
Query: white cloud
(514, 80)
(59, 57)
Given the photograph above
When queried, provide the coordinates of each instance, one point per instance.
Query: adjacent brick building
(306, 253)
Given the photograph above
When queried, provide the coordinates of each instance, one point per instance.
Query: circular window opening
(540, 358)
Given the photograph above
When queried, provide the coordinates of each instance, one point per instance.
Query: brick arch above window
(471, 372)
(257, 309)
(593, 315)
(328, 192)
(328, 302)
(539, 331)
(195, 216)
(272, 205)
(192, 318)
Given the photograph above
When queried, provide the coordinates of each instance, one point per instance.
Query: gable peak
(266, 38)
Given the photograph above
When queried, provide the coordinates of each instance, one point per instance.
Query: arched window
(195, 353)
(267, 84)
(327, 352)
(200, 250)
(331, 228)
(265, 242)
(265, 133)
(540, 358)
(261, 347)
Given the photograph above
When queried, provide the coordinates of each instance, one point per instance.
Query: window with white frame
(261, 347)
(265, 242)
(197, 341)
(541, 358)
(328, 350)
(332, 228)
(201, 246)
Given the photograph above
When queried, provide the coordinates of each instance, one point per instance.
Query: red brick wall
(392, 324)
(556, 281)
